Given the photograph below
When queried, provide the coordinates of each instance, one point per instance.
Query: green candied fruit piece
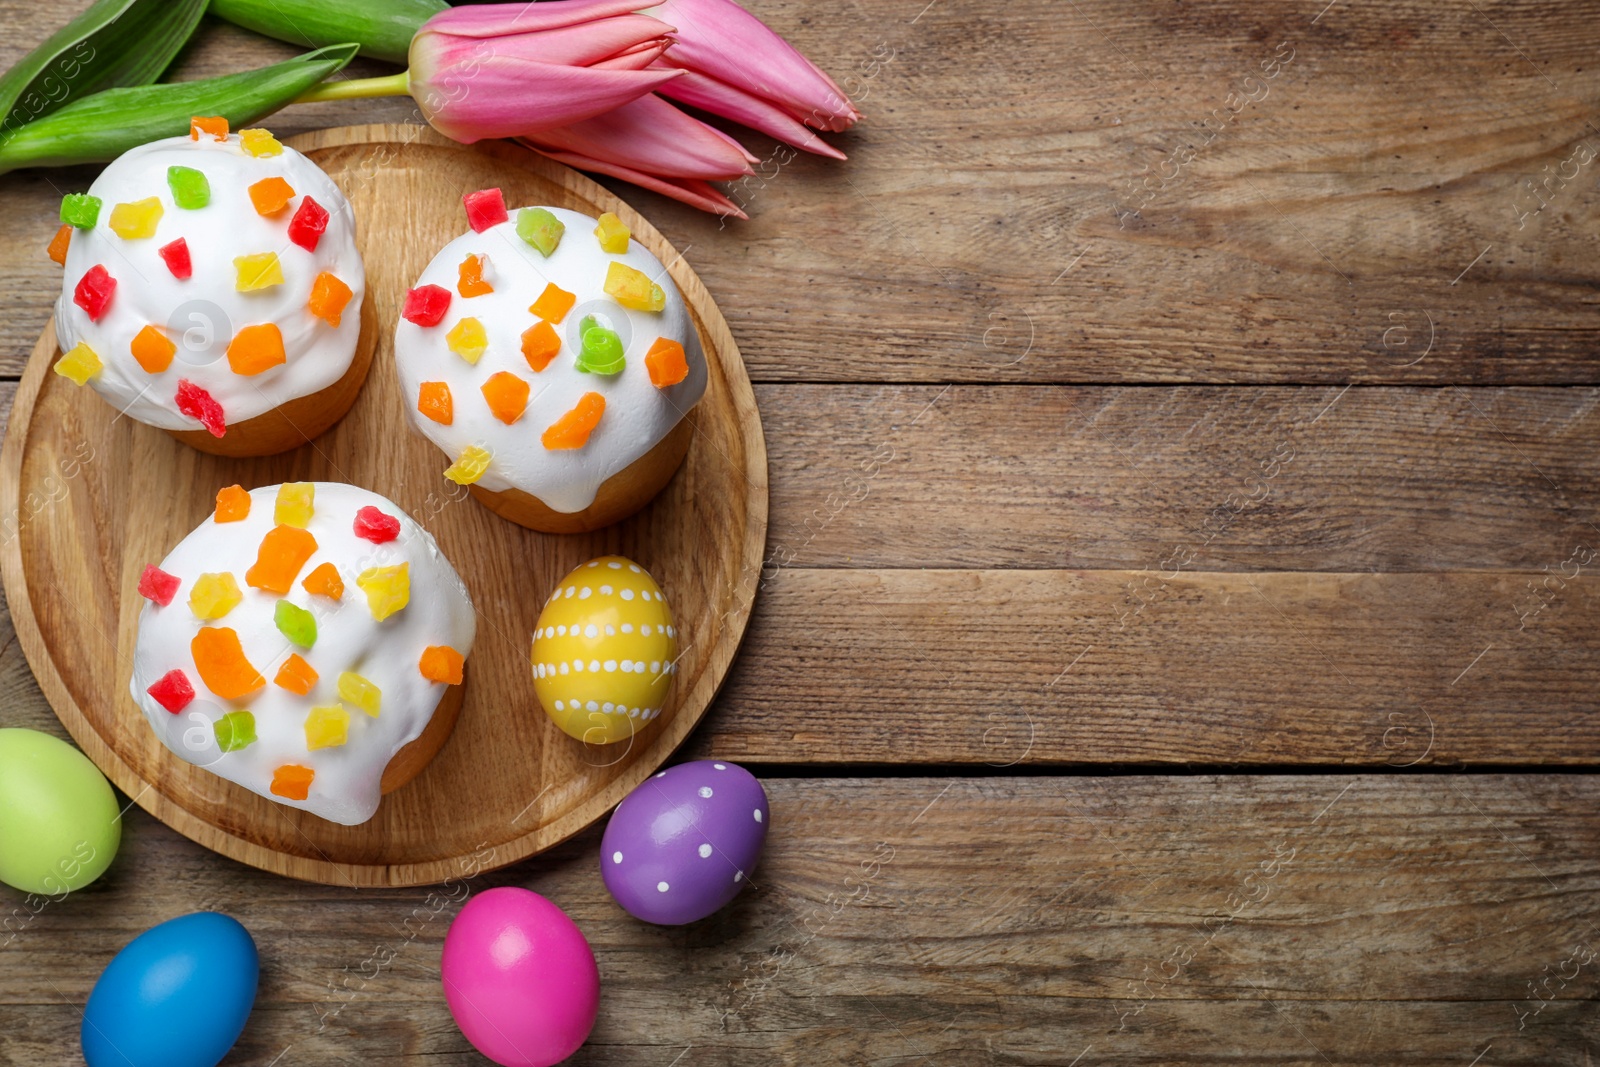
(189, 187)
(235, 730)
(602, 348)
(295, 623)
(80, 210)
(540, 229)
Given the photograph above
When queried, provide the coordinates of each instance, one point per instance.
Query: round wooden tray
(90, 498)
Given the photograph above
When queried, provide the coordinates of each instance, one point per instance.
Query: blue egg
(177, 996)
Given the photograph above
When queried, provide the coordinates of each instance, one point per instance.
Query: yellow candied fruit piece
(613, 234)
(358, 691)
(260, 143)
(468, 339)
(79, 364)
(388, 589)
(633, 288)
(329, 727)
(137, 219)
(294, 506)
(469, 466)
(259, 271)
(214, 595)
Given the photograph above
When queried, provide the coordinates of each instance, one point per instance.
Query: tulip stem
(358, 88)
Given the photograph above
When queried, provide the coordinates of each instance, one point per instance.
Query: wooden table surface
(1178, 644)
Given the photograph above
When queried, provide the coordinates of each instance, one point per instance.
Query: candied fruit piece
(157, 586)
(259, 270)
(554, 303)
(233, 504)
(60, 243)
(434, 401)
(633, 288)
(256, 348)
(190, 189)
(540, 343)
(137, 220)
(94, 291)
(666, 363)
(296, 675)
(283, 552)
(292, 781)
(214, 595)
(360, 692)
(152, 349)
(295, 623)
(540, 229)
(441, 663)
(176, 256)
(295, 504)
(327, 727)
(601, 352)
(507, 396)
(467, 339)
(80, 210)
(310, 222)
(485, 208)
(469, 466)
(215, 125)
(572, 430)
(196, 403)
(388, 589)
(79, 364)
(172, 691)
(613, 234)
(260, 143)
(329, 296)
(470, 281)
(324, 580)
(373, 525)
(235, 730)
(220, 659)
(426, 304)
(271, 195)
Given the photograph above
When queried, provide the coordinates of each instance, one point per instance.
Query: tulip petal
(690, 191)
(578, 46)
(498, 20)
(650, 135)
(503, 96)
(706, 93)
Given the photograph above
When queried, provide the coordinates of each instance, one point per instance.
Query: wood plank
(1305, 920)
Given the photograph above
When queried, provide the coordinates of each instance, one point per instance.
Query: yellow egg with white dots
(604, 651)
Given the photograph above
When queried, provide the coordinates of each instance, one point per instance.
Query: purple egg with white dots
(685, 842)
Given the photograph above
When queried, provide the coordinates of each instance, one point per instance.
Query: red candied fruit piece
(375, 526)
(94, 291)
(172, 691)
(157, 585)
(177, 259)
(426, 304)
(485, 208)
(308, 225)
(196, 403)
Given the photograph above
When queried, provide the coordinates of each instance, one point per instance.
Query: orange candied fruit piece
(434, 401)
(572, 430)
(283, 552)
(553, 304)
(666, 363)
(271, 195)
(471, 282)
(292, 781)
(59, 243)
(153, 349)
(256, 348)
(220, 659)
(329, 295)
(233, 504)
(215, 125)
(296, 675)
(324, 580)
(441, 663)
(540, 343)
(507, 396)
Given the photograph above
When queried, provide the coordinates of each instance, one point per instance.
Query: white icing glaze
(346, 787)
(637, 414)
(200, 314)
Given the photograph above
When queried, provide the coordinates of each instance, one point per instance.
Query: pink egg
(520, 978)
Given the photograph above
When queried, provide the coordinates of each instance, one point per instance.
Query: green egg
(59, 824)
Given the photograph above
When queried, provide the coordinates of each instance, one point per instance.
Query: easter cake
(307, 642)
(553, 360)
(213, 289)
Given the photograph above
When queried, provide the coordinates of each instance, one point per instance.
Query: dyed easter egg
(519, 978)
(684, 843)
(59, 823)
(177, 996)
(604, 651)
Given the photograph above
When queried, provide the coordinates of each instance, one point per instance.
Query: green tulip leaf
(383, 28)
